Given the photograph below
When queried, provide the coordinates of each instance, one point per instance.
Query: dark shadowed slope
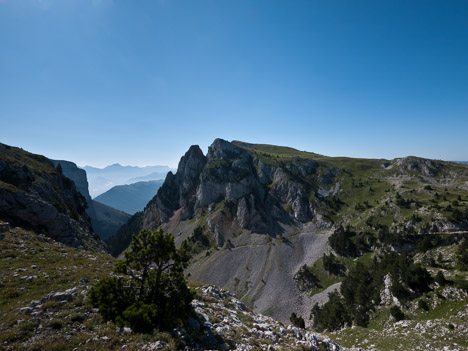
(108, 220)
(36, 195)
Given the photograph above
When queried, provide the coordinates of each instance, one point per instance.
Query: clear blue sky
(137, 82)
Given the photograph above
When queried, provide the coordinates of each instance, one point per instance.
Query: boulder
(386, 296)
(67, 295)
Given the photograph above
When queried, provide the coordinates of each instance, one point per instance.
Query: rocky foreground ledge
(226, 324)
(221, 322)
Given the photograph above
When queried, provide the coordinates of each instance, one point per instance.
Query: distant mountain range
(130, 198)
(461, 162)
(149, 177)
(106, 220)
(102, 179)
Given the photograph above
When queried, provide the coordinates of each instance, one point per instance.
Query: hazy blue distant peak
(109, 167)
(102, 179)
(118, 166)
(130, 198)
(89, 168)
(151, 176)
(461, 162)
(115, 165)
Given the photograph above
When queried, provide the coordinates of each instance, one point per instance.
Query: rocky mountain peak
(250, 194)
(191, 163)
(222, 149)
(178, 190)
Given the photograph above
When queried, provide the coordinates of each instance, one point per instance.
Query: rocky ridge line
(36, 195)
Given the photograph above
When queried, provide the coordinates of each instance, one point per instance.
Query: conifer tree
(150, 290)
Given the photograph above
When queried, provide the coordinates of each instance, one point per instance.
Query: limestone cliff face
(78, 175)
(105, 219)
(235, 190)
(178, 191)
(37, 196)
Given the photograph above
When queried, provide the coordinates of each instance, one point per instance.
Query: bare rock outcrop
(78, 175)
(36, 195)
(386, 296)
(233, 184)
(178, 191)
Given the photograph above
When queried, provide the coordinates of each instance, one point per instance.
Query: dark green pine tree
(151, 291)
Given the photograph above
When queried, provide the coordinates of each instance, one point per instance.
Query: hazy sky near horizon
(137, 82)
